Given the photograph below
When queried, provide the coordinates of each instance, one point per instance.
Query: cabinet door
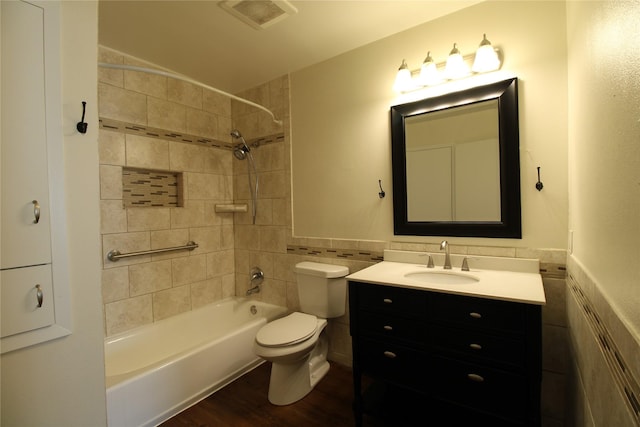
(25, 239)
(27, 299)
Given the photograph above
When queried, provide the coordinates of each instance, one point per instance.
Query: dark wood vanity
(424, 358)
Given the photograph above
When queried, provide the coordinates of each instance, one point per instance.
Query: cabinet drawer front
(20, 311)
(403, 302)
(477, 312)
(390, 327)
(391, 362)
(475, 344)
(490, 390)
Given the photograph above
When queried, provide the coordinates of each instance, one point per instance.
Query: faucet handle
(430, 263)
(465, 265)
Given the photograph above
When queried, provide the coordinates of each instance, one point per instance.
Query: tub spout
(253, 290)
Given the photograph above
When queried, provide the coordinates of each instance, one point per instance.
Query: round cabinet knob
(387, 301)
(475, 315)
(389, 354)
(387, 328)
(475, 346)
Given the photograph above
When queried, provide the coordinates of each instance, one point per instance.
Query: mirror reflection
(453, 164)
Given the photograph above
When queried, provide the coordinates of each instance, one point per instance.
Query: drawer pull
(475, 346)
(389, 354)
(387, 301)
(475, 315)
(39, 295)
(387, 328)
(475, 377)
(36, 211)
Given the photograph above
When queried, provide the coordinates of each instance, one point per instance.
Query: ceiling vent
(258, 13)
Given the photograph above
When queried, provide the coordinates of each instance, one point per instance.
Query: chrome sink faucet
(444, 246)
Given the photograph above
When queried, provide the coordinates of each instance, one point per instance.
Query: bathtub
(157, 370)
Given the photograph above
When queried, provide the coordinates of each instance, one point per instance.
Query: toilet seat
(292, 329)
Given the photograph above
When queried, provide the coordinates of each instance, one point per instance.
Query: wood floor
(244, 403)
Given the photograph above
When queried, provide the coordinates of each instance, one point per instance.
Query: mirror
(456, 164)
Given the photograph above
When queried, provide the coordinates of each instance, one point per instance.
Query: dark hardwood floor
(244, 403)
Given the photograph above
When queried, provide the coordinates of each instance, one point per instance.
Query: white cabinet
(25, 191)
(33, 300)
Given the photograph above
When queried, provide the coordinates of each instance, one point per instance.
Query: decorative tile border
(621, 374)
(353, 254)
(151, 132)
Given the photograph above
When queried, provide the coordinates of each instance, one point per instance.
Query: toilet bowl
(297, 345)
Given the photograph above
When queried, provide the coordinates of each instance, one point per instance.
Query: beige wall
(61, 382)
(604, 177)
(340, 123)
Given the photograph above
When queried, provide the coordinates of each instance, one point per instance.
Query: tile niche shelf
(151, 188)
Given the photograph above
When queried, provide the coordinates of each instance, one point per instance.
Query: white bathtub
(155, 371)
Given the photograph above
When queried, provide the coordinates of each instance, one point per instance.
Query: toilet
(296, 344)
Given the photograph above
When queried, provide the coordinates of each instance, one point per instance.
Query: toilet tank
(322, 288)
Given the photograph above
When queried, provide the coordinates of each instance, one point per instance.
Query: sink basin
(442, 277)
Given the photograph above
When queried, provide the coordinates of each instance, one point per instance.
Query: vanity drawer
(393, 363)
(389, 299)
(389, 327)
(489, 390)
(477, 312)
(478, 345)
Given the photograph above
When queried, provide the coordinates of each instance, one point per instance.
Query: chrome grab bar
(114, 255)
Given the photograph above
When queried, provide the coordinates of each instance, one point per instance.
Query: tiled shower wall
(143, 119)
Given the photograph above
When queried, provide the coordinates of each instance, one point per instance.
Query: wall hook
(381, 194)
(82, 126)
(539, 183)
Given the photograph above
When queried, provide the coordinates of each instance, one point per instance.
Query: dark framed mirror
(456, 164)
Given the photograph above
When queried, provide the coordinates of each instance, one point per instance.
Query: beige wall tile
(143, 152)
(191, 215)
(110, 182)
(187, 157)
(220, 263)
(146, 83)
(185, 93)
(273, 239)
(206, 292)
(128, 314)
(111, 147)
(146, 219)
(216, 103)
(554, 312)
(218, 161)
(166, 115)
(189, 269)
(169, 238)
(120, 104)
(208, 239)
(171, 302)
(149, 277)
(115, 284)
(113, 217)
(106, 75)
(125, 243)
(201, 123)
(207, 186)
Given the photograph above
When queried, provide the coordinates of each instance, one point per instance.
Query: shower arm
(189, 80)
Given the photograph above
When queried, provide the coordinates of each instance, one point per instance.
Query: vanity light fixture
(486, 59)
(404, 82)
(429, 75)
(455, 68)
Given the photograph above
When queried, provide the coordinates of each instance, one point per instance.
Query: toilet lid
(292, 329)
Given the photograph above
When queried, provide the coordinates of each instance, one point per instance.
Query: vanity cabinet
(441, 359)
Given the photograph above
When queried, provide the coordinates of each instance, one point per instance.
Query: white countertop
(517, 286)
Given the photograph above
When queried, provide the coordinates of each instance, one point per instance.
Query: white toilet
(296, 344)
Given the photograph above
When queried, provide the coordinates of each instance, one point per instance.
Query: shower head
(240, 150)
